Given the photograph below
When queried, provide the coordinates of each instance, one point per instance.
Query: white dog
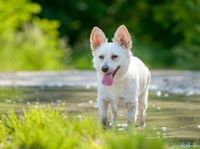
(122, 78)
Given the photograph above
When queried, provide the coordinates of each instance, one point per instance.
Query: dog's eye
(101, 57)
(114, 57)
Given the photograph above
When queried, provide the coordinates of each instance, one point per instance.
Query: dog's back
(141, 72)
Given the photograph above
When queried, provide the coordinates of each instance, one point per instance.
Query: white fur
(130, 84)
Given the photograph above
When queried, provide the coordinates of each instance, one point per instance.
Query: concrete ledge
(177, 82)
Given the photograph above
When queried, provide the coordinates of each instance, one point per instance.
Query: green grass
(52, 129)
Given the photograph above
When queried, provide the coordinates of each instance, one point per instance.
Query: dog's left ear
(122, 37)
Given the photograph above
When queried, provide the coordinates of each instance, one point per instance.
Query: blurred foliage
(163, 30)
(27, 42)
(182, 17)
(52, 129)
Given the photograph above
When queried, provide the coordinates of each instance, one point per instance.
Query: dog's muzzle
(105, 68)
(109, 76)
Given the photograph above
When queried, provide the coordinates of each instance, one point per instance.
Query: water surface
(175, 117)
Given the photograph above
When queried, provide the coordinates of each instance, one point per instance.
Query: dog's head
(111, 59)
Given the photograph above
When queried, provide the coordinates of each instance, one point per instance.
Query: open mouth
(108, 77)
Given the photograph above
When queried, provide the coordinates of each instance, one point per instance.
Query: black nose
(104, 68)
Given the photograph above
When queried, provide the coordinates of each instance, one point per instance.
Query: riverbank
(167, 81)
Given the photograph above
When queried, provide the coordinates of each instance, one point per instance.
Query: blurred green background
(54, 34)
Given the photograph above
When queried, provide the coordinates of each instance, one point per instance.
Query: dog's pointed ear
(122, 37)
(97, 37)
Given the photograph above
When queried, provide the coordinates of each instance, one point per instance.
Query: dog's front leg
(113, 105)
(103, 106)
(132, 109)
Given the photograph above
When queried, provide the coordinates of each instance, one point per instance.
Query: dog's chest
(123, 93)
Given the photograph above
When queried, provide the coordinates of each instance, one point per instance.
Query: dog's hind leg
(132, 111)
(142, 106)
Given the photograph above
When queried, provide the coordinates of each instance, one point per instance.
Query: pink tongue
(107, 79)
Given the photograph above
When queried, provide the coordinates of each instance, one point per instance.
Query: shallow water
(175, 117)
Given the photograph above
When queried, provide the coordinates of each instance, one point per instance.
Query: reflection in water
(175, 117)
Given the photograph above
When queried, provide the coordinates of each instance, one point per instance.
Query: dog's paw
(140, 125)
